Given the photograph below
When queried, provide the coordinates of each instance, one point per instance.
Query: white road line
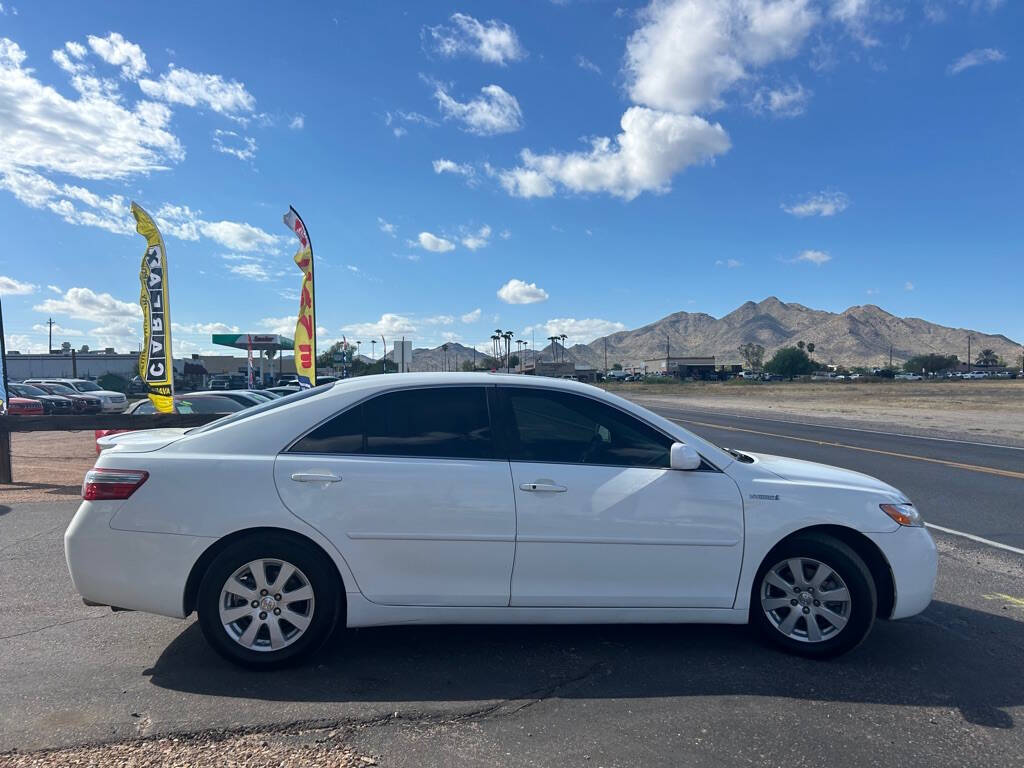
(978, 539)
(832, 426)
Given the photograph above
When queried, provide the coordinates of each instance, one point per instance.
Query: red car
(23, 406)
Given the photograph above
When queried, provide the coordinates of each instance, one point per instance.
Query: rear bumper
(129, 569)
(914, 565)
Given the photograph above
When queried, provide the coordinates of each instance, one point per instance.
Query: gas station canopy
(258, 341)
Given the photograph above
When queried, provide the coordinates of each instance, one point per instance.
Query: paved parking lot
(940, 689)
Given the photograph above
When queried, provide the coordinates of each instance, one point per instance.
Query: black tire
(326, 607)
(853, 572)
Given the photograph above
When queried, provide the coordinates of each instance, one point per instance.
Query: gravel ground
(299, 747)
(48, 466)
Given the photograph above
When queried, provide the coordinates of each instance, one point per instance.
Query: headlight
(904, 514)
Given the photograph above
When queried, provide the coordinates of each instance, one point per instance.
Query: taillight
(112, 484)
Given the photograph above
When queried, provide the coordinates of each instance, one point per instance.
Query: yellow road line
(1014, 601)
(956, 464)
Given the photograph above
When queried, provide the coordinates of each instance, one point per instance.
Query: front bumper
(913, 561)
(114, 407)
(129, 569)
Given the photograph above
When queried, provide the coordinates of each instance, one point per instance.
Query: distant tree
(800, 345)
(790, 362)
(987, 357)
(931, 363)
(513, 361)
(810, 348)
(753, 355)
(467, 365)
(616, 366)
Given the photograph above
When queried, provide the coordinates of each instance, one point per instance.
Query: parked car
(284, 390)
(112, 402)
(52, 404)
(267, 393)
(80, 403)
(407, 499)
(194, 402)
(245, 397)
(974, 375)
(24, 406)
(908, 377)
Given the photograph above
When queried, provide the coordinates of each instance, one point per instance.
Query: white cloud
(652, 148)
(730, 263)
(438, 320)
(297, 123)
(505, 234)
(386, 227)
(250, 271)
(117, 51)
(976, 58)
(204, 329)
(787, 101)
(908, 286)
(479, 239)
(577, 331)
(472, 317)
(584, 63)
(825, 203)
(196, 89)
(817, 258)
(58, 330)
(389, 324)
(230, 143)
(459, 169)
(86, 304)
(92, 137)
(492, 41)
(434, 243)
(184, 223)
(283, 326)
(687, 53)
(517, 291)
(493, 112)
(55, 289)
(11, 287)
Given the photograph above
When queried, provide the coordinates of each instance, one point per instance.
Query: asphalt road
(965, 486)
(941, 689)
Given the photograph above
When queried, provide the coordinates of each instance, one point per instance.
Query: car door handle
(315, 477)
(543, 488)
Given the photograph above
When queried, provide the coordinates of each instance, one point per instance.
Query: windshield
(59, 389)
(86, 386)
(26, 390)
(261, 408)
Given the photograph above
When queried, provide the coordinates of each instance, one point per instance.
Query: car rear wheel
(814, 596)
(268, 600)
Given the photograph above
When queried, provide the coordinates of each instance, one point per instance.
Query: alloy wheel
(266, 605)
(805, 599)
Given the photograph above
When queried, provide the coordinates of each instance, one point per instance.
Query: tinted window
(443, 422)
(449, 422)
(342, 434)
(569, 429)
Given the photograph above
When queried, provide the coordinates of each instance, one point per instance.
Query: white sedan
(474, 498)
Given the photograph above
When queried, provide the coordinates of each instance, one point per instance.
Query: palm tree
(810, 348)
(445, 348)
(554, 347)
(563, 337)
(987, 357)
(508, 349)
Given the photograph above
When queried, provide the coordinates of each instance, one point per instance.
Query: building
(683, 367)
(561, 370)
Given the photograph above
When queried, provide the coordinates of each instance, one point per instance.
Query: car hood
(812, 473)
(141, 441)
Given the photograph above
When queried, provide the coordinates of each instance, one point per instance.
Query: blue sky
(575, 167)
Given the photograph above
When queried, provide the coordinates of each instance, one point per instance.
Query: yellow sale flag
(156, 366)
(305, 327)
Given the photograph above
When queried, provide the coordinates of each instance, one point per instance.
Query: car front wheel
(814, 596)
(267, 600)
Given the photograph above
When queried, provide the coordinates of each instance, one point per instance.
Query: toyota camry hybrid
(484, 499)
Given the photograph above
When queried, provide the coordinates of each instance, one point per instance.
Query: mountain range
(860, 335)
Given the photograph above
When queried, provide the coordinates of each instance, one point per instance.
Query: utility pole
(890, 357)
(606, 354)
(668, 354)
(969, 364)
(49, 345)
(5, 436)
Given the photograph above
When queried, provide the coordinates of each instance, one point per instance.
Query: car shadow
(950, 656)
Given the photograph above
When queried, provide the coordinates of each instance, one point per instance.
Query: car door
(602, 520)
(409, 487)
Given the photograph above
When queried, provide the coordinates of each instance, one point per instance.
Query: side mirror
(684, 457)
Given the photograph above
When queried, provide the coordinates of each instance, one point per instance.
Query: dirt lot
(48, 466)
(971, 410)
